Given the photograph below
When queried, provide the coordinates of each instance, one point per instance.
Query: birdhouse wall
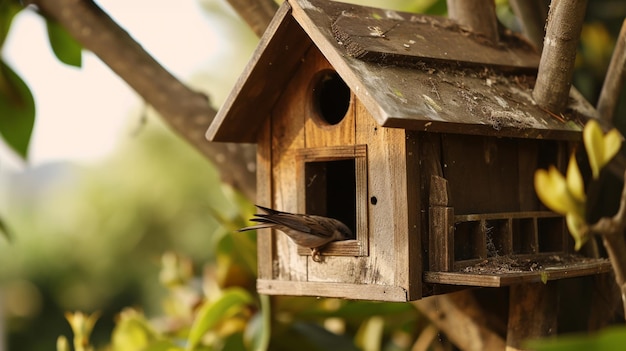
(382, 263)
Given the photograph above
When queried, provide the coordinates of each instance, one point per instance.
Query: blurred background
(109, 197)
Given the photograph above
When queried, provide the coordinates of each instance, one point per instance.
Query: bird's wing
(314, 225)
(268, 210)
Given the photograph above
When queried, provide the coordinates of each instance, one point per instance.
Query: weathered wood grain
(287, 136)
(506, 279)
(417, 39)
(338, 290)
(255, 92)
(265, 237)
(319, 132)
(533, 312)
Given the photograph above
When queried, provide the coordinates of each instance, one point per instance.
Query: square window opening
(333, 183)
(330, 190)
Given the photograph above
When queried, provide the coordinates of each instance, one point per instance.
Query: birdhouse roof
(410, 71)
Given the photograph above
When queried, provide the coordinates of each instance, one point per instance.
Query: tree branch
(460, 317)
(614, 79)
(479, 15)
(612, 232)
(187, 112)
(256, 13)
(556, 68)
(532, 17)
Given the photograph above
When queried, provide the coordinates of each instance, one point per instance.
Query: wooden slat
(265, 251)
(533, 312)
(441, 253)
(332, 153)
(421, 38)
(288, 125)
(318, 132)
(262, 81)
(506, 279)
(338, 290)
(413, 252)
(504, 215)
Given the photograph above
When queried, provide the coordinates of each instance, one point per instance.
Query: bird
(306, 230)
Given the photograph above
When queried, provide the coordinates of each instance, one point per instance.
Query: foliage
(610, 339)
(566, 194)
(210, 317)
(17, 106)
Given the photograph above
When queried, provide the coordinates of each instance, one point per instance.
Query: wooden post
(441, 230)
(556, 67)
(479, 15)
(614, 79)
(533, 311)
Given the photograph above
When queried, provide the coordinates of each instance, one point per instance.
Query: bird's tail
(262, 218)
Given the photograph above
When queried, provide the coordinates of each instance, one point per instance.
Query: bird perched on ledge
(305, 230)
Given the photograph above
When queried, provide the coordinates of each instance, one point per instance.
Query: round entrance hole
(331, 97)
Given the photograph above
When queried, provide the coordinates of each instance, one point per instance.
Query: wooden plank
(506, 279)
(429, 155)
(265, 237)
(441, 241)
(379, 267)
(481, 173)
(287, 137)
(256, 92)
(413, 251)
(338, 290)
(533, 312)
(411, 40)
(332, 153)
(318, 132)
(528, 162)
(505, 215)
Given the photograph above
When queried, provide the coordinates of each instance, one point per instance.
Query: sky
(83, 112)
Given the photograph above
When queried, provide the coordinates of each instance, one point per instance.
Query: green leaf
(607, 340)
(370, 334)
(4, 230)
(17, 110)
(132, 332)
(544, 277)
(8, 10)
(258, 330)
(211, 313)
(162, 345)
(64, 46)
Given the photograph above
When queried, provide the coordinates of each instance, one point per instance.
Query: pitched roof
(410, 71)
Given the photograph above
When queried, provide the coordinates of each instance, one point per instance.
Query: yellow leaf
(600, 148)
(594, 144)
(575, 183)
(552, 190)
(576, 226)
(612, 144)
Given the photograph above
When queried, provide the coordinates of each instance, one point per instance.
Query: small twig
(561, 119)
(612, 231)
(614, 79)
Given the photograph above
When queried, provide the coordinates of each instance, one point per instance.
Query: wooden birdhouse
(421, 137)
